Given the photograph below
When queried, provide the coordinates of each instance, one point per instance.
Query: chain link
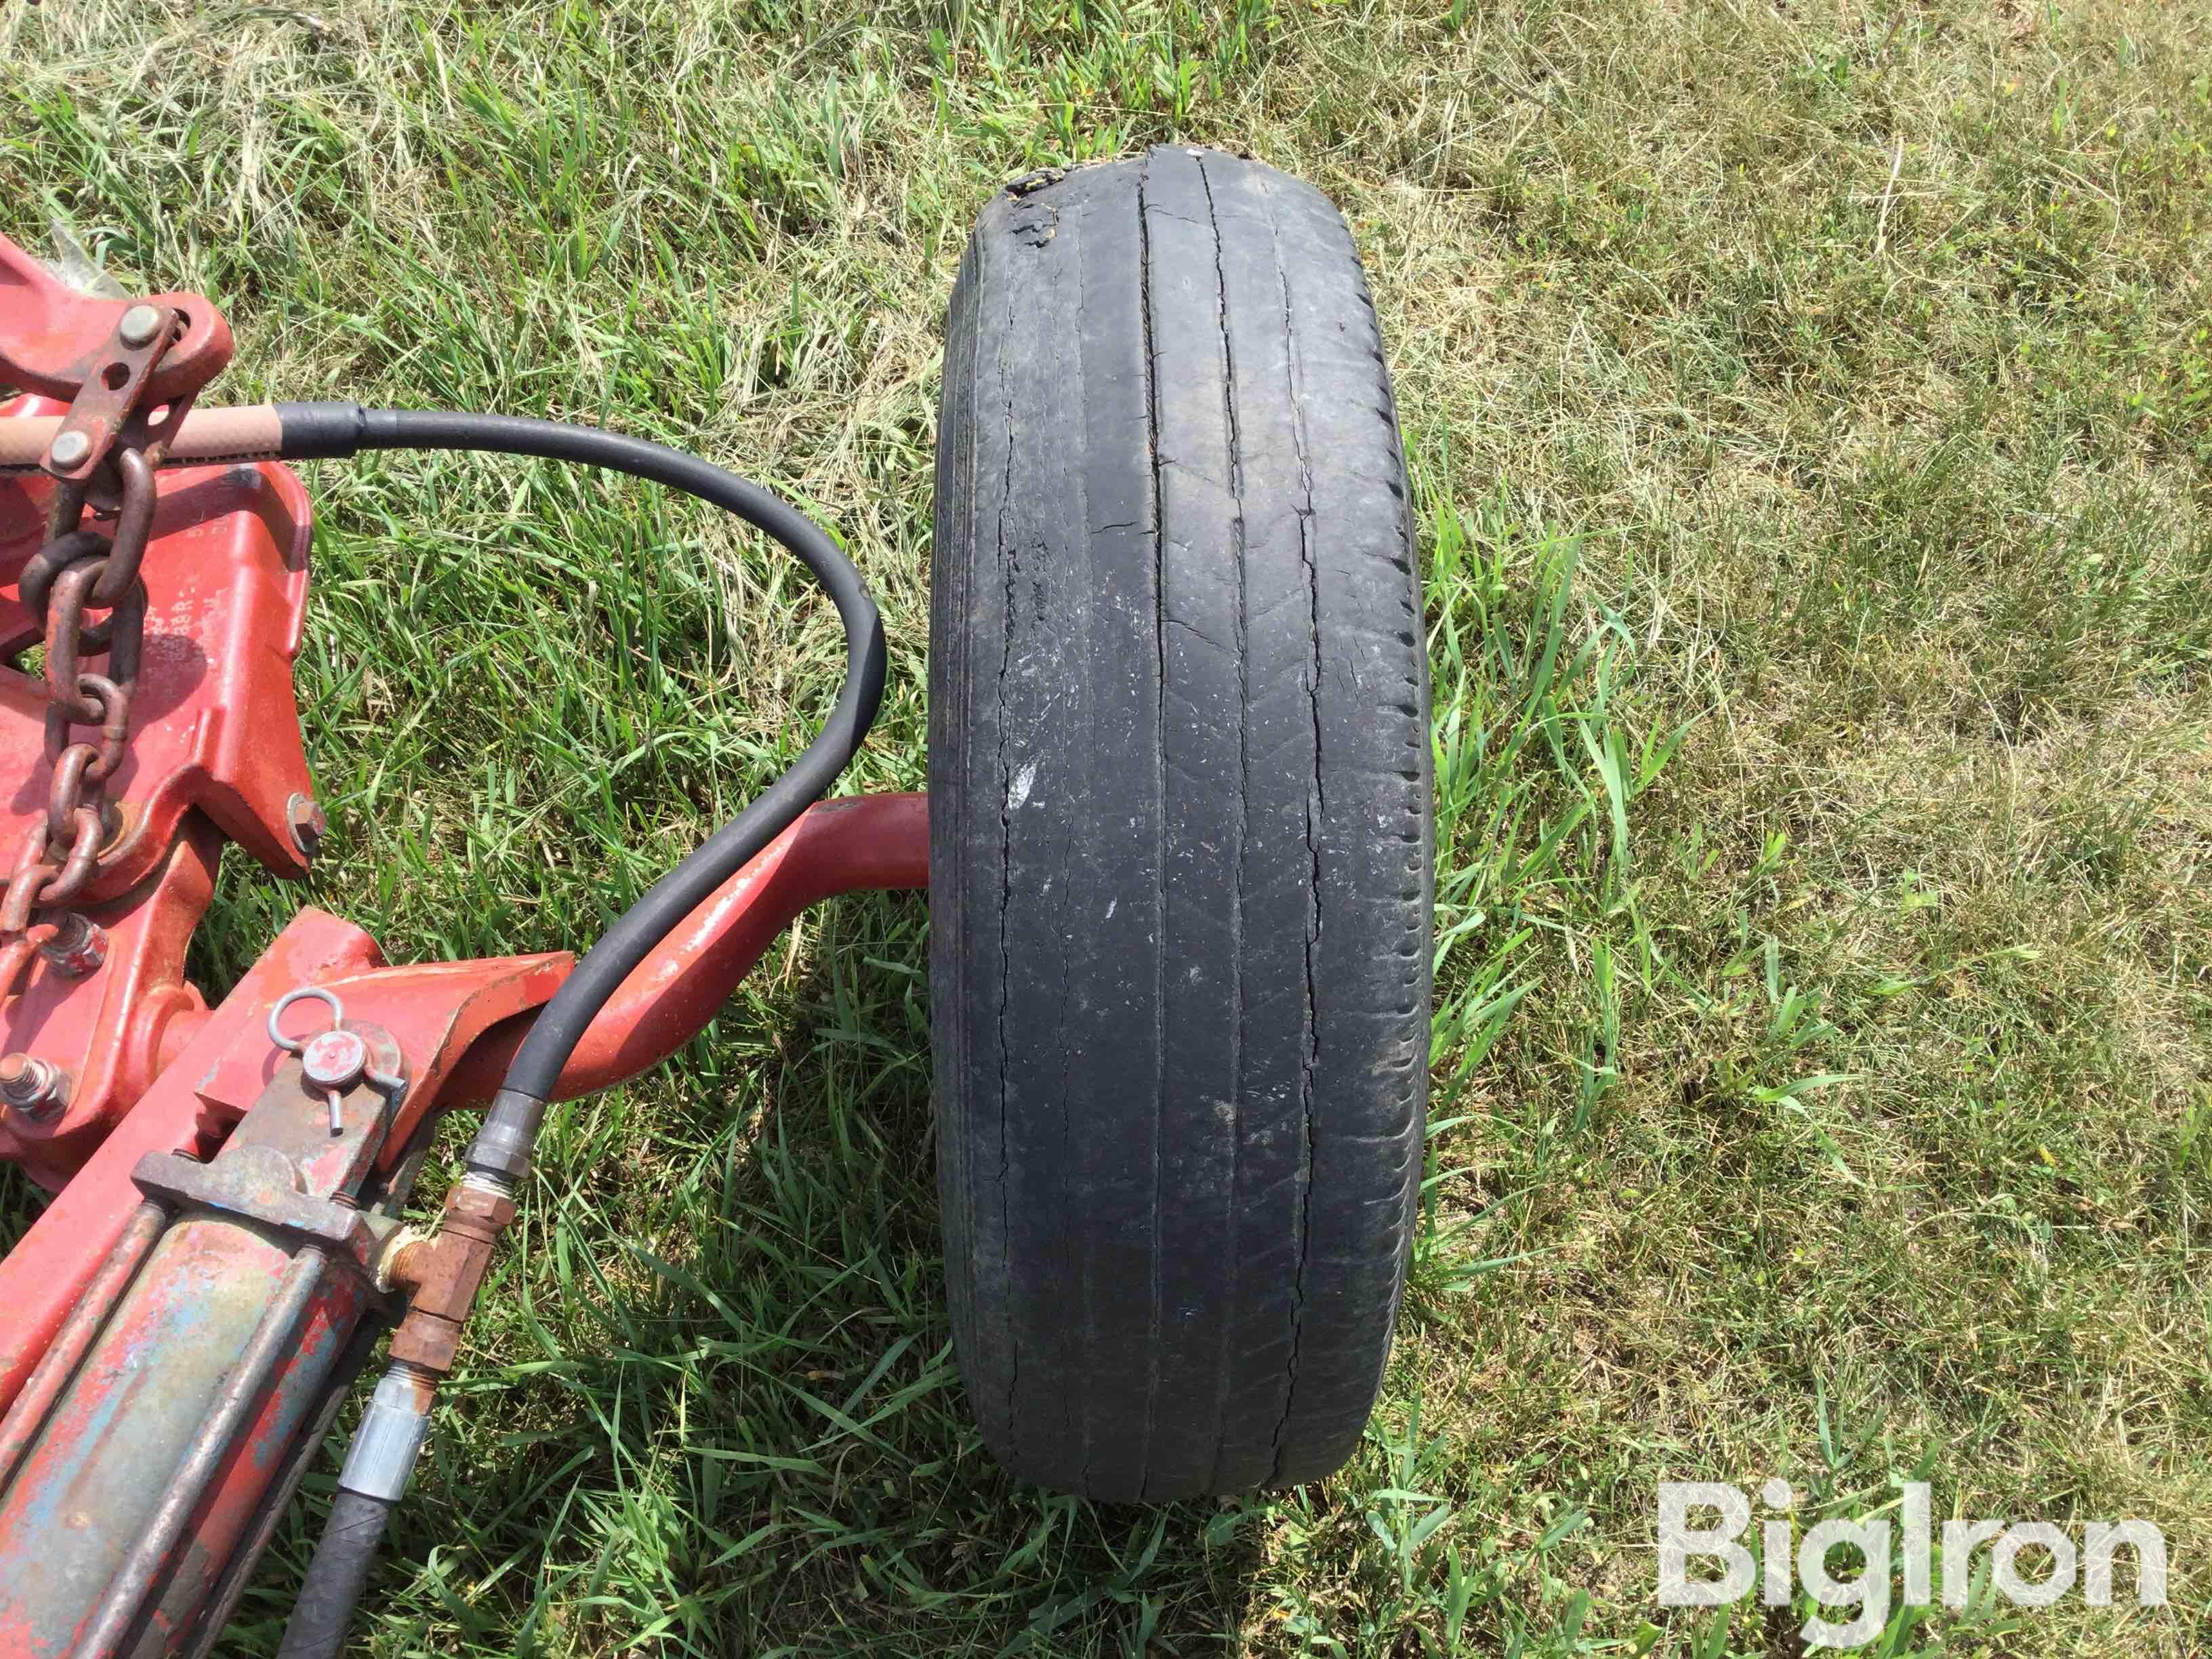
(79, 570)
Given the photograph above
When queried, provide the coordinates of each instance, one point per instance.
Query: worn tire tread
(1180, 830)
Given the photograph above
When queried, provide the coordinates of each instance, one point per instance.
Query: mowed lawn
(1811, 404)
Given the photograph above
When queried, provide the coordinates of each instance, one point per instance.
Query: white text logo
(1868, 1592)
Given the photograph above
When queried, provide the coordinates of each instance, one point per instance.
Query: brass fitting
(445, 1271)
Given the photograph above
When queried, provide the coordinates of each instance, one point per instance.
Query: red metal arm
(842, 846)
(838, 847)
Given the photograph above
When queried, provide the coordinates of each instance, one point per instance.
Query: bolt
(78, 947)
(308, 824)
(36, 1088)
(139, 326)
(70, 448)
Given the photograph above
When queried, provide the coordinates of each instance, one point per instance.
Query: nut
(307, 823)
(37, 1088)
(78, 947)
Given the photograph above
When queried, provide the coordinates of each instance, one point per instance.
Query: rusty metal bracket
(51, 336)
(108, 396)
(257, 1183)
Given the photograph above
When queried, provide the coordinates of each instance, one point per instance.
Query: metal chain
(77, 571)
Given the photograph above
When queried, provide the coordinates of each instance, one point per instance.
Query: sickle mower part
(1179, 863)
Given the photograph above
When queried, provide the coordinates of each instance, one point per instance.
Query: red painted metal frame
(457, 1040)
(53, 339)
(217, 754)
(214, 753)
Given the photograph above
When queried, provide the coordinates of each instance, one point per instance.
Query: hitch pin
(333, 1060)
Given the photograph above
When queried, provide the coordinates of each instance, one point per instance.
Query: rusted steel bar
(29, 1415)
(234, 1408)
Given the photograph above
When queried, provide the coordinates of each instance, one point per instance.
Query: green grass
(1812, 406)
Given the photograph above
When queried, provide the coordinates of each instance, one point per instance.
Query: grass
(1812, 405)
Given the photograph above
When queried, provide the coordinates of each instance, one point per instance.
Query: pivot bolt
(332, 1060)
(139, 326)
(308, 823)
(37, 1088)
(334, 1057)
(70, 448)
(78, 947)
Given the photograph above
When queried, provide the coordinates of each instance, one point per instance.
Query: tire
(1180, 837)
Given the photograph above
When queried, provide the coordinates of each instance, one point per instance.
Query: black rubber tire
(1180, 833)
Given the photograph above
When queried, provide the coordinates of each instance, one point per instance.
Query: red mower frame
(179, 1326)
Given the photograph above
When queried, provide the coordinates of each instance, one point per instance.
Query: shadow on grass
(712, 1402)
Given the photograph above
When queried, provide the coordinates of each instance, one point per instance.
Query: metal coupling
(400, 1259)
(445, 1273)
(500, 1151)
(494, 1187)
(391, 1435)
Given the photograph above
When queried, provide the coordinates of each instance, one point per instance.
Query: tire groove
(1223, 1368)
(1009, 562)
(1072, 1251)
(1159, 849)
(1308, 1035)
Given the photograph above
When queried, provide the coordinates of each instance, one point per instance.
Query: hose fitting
(446, 1271)
(391, 1435)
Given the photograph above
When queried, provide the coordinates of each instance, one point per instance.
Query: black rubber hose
(313, 430)
(502, 1149)
(335, 1577)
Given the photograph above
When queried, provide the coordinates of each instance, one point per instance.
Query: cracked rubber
(1181, 836)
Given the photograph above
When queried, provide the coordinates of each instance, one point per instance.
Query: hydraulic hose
(317, 430)
(385, 1449)
(344, 1556)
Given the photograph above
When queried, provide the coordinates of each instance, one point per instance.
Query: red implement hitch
(223, 1243)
